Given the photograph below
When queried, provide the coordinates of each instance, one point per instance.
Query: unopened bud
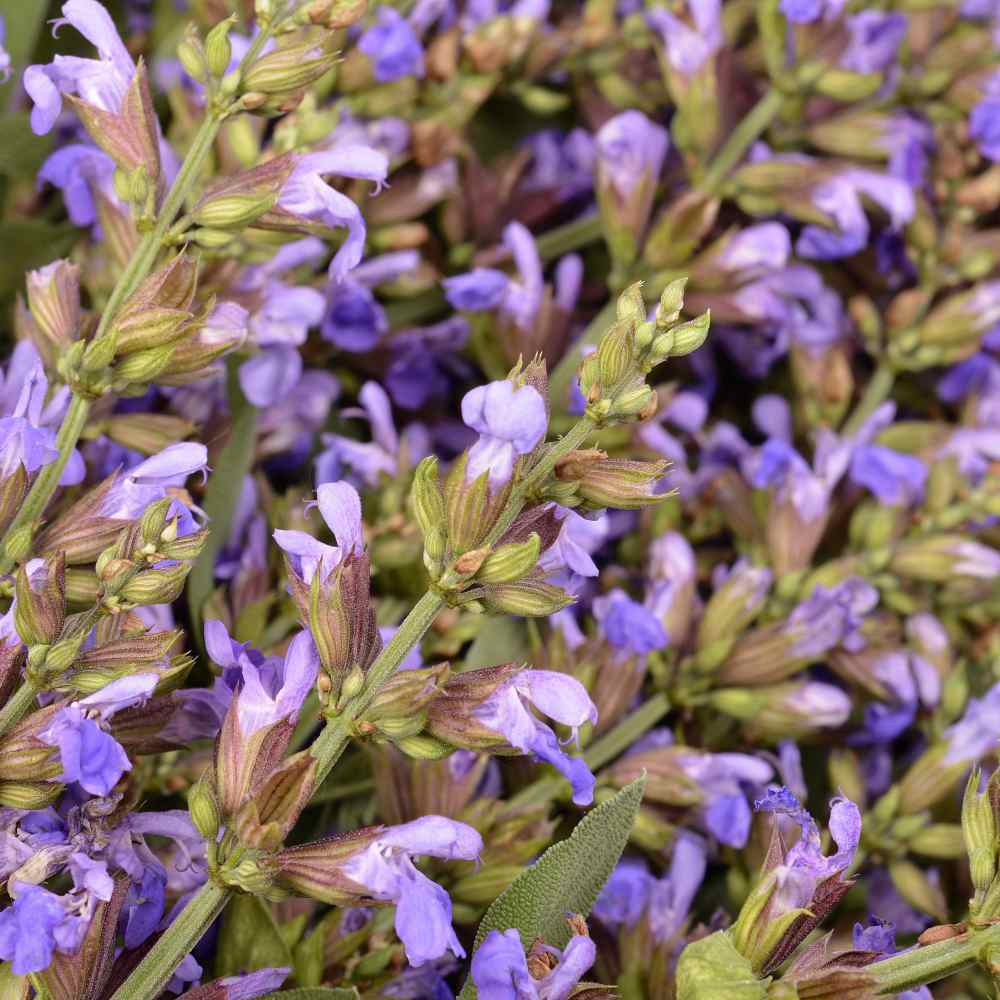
(191, 55)
(424, 748)
(204, 809)
(218, 48)
(353, 683)
(510, 562)
(530, 598)
(288, 69)
(233, 211)
(54, 301)
(671, 303)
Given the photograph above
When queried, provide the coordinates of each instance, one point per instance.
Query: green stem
(928, 964)
(330, 744)
(571, 236)
(602, 751)
(563, 374)
(153, 973)
(742, 137)
(45, 485)
(876, 392)
(133, 275)
(18, 705)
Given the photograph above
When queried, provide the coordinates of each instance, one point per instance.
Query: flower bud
(29, 794)
(530, 598)
(611, 482)
(510, 562)
(41, 601)
(155, 586)
(288, 69)
(233, 211)
(191, 54)
(204, 809)
(424, 747)
(218, 48)
(54, 301)
(147, 433)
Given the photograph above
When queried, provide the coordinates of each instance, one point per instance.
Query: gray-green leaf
(222, 493)
(500, 639)
(567, 878)
(712, 969)
(250, 939)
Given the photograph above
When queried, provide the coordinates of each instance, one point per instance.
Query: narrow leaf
(567, 878)
(222, 493)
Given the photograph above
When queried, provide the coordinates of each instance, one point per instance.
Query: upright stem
(45, 485)
(330, 744)
(742, 137)
(140, 265)
(152, 974)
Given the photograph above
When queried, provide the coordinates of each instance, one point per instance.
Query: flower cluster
(477, 477)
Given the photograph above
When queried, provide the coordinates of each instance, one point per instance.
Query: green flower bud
(29, 794)
(204, 809)
(288, 69)
(530, 598)
(233, 211)
(424, 747)
(218, 48)
(510, 562)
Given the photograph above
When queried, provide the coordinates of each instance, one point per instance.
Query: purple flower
(630, 151)
(874, 41)
(354, 320)
(268, 697)
(23, 441)
(984, 121)
(101, 82)
(805, 11)
(721, 778)
(393, 47)
(894, 477)
(689, 48)
(755, 250)
(805, 865)
(423, 909)
(81, 172)
(500, 969)
(33, 928)
(840, 198)
(670, 897)
(4, 54)
(387, 454)
(830, 616)
(340, 506)
(260, 983)
(510, 421)
(144, 905)
(625, 894)
(480, 290)
(149, 481)
(307, 195)
(628, 625)
(578, 538)
(560, 697)
(89, 755)
(976, 733)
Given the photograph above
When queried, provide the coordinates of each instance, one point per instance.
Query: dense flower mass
(500, 499)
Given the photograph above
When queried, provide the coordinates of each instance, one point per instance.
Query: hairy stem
(45, 485)
(923, 965)
(153, 973)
